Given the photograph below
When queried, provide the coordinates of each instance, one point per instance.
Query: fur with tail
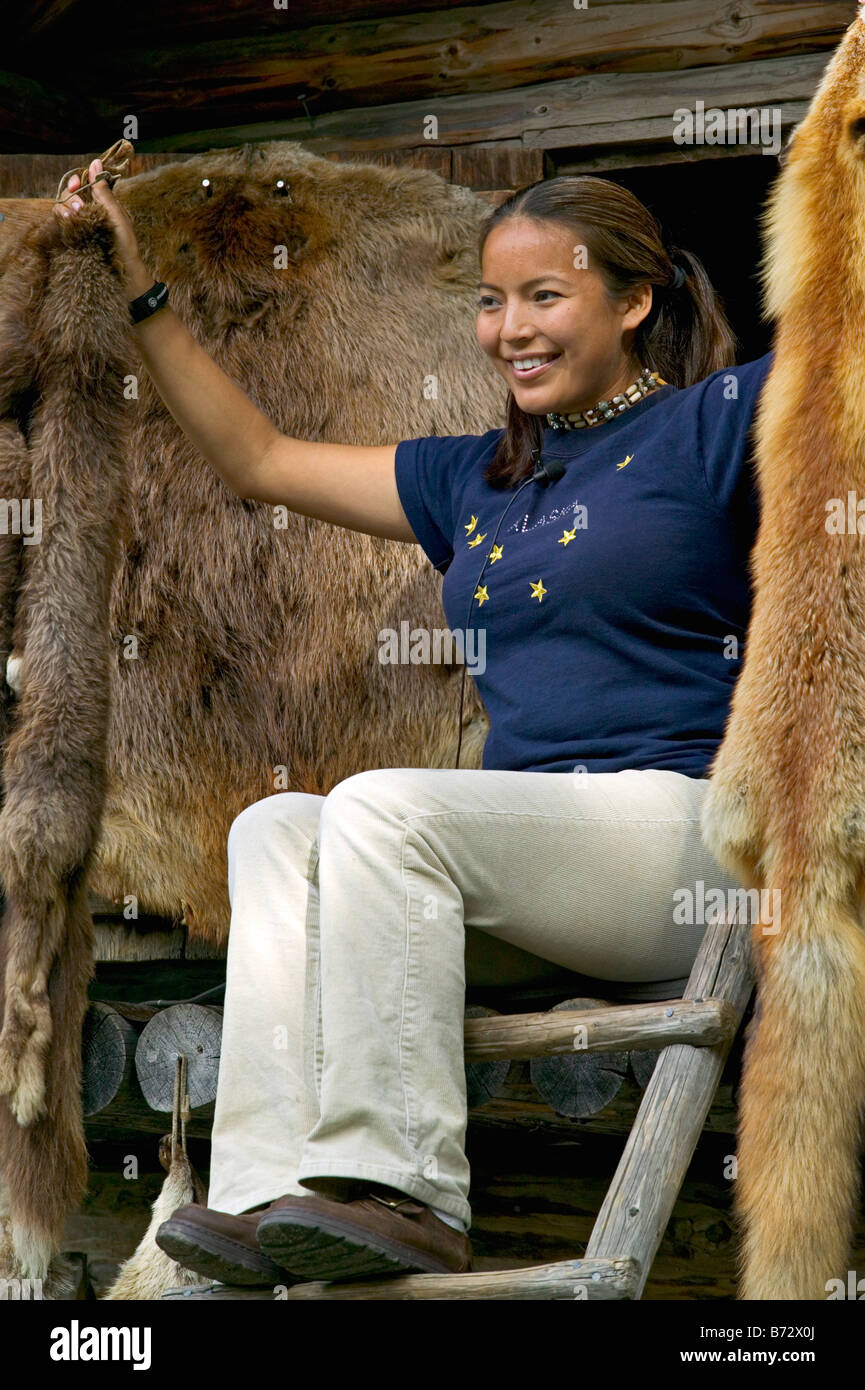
(785, 809)
(149, 1272)
(64, 354)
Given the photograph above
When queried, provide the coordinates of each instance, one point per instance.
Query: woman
(611, 586)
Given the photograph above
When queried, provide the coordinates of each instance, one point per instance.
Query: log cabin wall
(490, 95)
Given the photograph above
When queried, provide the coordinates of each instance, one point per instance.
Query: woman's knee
(273, 814)
(377, 788)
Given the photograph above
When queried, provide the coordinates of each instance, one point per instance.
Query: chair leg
(668, 1124)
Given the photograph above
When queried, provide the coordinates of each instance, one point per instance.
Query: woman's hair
(684, 337)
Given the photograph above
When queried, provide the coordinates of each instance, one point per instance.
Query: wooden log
(604, 109)
(660, 1145)
(702, 1023)
(146, 937)
(520, 1107)
(343, 65)
(500, 1091)
(517, 1108)
(580, 1083)
(571, 1280)
(484, 1080)
(108, 1056)
(135, 1013)
(190, 1030)
(129, 1114)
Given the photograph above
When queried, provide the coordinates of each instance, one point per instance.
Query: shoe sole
(218, 1257)
(320, 1247)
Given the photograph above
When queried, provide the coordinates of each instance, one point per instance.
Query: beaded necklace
(607, 410)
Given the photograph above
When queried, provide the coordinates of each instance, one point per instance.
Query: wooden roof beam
(600, 110)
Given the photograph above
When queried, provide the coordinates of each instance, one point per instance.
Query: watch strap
(148, 303)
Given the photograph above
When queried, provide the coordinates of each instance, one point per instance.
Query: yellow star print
(568, 536)
(481, 536)
(626, 462)
(495, 554)
(538, 590)
(481, 595)
(470, 525)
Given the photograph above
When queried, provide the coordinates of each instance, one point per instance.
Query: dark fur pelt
(64, 352)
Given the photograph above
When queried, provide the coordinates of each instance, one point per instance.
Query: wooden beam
(284, 71)
(601, 1280)
(147, 937)
(190, 21)
(603, 110)
(560, 1032)
(602, 159)
(675, 1103)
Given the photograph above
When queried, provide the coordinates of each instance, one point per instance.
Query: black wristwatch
(148, 303)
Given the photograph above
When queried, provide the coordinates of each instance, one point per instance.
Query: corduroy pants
(359, 917)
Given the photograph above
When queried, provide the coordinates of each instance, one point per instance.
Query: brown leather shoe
(219, 1246)
(320, 1237)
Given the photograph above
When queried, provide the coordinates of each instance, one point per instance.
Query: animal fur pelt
(149, 1272)
(245, 639)
(242, 639)
(64, 350)
(785, 808)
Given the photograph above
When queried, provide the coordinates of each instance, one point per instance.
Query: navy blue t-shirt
(615, 601)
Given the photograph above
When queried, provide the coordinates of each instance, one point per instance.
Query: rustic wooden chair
(694, 1034)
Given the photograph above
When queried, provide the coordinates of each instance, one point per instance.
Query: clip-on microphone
(544, 473)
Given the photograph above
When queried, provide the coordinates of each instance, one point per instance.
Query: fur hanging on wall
(785, 810)
(64, 348)
(182, 652)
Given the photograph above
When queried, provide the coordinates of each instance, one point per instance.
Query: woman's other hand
(124, 231)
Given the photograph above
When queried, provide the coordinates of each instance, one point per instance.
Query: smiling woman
(580, 302)
(611, 614)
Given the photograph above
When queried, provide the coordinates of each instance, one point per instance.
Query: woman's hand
(136, 277)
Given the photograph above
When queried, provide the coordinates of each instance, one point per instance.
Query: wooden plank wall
(491, 95)
(541, 75)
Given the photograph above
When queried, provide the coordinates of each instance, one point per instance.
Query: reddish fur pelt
(185, 652)
(785, 809)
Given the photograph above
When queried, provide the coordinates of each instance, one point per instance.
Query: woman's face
(535, 303)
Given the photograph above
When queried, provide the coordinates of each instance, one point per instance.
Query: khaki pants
(357, 920)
